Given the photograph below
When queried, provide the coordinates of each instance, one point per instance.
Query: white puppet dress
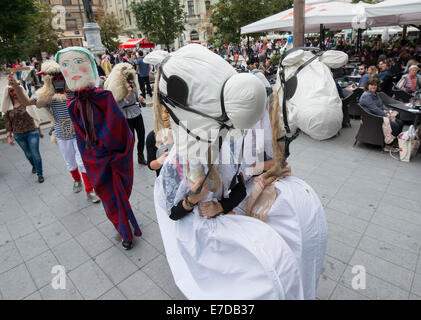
(296, 214)
(227, 257)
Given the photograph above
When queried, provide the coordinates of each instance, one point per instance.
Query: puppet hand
(286, 171)
(12, 81)
(210, 209)
(195, 198)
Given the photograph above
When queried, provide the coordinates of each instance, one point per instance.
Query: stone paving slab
(372, 205)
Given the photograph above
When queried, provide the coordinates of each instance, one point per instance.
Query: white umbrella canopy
(394, 12)
(334, 15)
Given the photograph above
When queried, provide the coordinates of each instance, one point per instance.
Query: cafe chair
(404, 116)
(371, 130)
(401, 95)
(351, 103)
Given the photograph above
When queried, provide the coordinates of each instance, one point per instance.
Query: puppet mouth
(76, 77)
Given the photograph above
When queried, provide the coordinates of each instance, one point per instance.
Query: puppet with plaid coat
(104, 139)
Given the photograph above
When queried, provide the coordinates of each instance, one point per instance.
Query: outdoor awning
(334, 15)
(137, 43)
(394, 12)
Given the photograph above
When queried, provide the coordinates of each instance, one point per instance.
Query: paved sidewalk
(372, 203)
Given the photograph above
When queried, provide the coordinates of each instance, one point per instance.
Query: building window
(130, 19)
(194, 36)
(67, 2)
(121, 14)
(207, 6)
(190, 6)
(71, 24)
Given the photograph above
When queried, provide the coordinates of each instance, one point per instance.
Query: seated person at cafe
(386, 77)
(362, 70)
(372, 102)
(410, 82)
(373, 72)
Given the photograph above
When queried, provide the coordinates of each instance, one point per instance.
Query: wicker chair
(401, 95)
(371, 130)
(404, 116)
(351, 103)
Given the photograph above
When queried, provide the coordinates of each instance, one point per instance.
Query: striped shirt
(63, 127)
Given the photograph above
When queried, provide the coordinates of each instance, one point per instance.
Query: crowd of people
(95, 131)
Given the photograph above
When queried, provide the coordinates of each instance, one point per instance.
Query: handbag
(408, 144)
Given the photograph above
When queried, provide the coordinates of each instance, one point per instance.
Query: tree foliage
(228, 16)
(26, 29)
(16, 18)
(42, 35)
(110, 30)
(161, 20)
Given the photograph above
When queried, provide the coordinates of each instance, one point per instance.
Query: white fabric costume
(228, 257)
(235, 256)
(316, 107)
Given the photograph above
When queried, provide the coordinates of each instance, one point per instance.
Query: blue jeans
(29, 142)
(29, 90)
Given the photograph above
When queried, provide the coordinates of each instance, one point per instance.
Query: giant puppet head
(205, 97)
(312, 99)
(122, 76)
(54, 84)
(78, 67)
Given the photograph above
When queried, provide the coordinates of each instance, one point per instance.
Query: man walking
(142, 70)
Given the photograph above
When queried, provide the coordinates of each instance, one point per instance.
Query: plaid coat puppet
(106, 145)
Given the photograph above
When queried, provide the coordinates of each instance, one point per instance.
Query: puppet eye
(78, 61)
(65, 64)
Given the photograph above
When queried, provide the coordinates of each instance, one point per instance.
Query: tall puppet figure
(52, 96)
(104, 139)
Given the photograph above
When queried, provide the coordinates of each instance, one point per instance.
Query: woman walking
(23, 125)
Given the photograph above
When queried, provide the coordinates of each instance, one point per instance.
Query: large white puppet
(289, 205)
(232, 256)
(312, 99)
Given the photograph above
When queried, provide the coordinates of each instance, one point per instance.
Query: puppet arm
(23, 99)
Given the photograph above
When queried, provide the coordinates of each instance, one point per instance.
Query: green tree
(16, 18)
(42, 36)
(228, 16)
(110, 30)
(161, 20)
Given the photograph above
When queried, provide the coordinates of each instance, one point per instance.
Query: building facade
(122, 11)
(197, 28)
(74, 19)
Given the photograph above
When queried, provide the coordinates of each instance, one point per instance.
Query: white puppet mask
(77, 69)
(204, 94)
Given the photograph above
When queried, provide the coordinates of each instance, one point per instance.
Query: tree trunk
(404, 31)
(299, 27)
